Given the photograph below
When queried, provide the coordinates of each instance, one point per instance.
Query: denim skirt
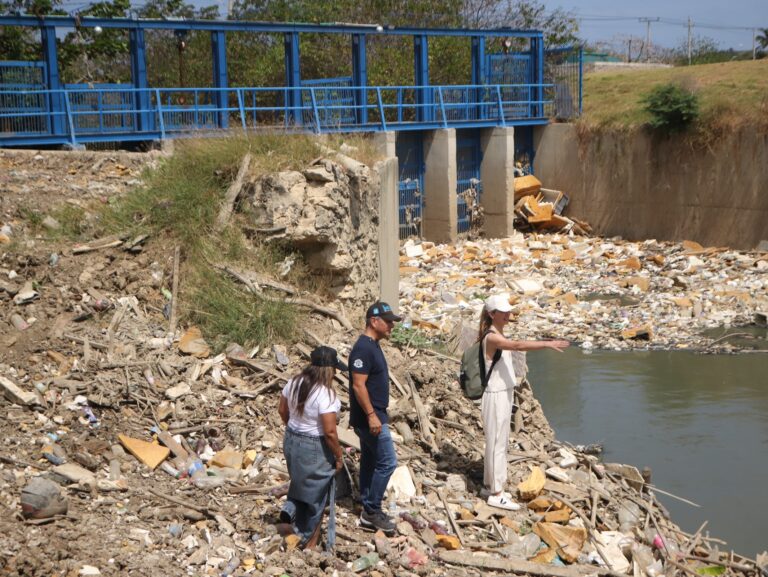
(311, 465)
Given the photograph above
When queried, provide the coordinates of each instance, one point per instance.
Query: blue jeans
(377, 463)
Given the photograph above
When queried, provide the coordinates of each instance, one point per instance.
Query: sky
(603, 19)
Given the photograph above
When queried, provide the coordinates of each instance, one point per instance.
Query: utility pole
(690, 26)
(648, 35)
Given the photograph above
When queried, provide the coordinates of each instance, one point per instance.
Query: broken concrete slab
(150, 454)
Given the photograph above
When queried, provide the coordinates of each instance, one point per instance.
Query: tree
(762, 38)
(19, 42)
(560, 27)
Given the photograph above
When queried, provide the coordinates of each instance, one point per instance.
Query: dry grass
(731, 94)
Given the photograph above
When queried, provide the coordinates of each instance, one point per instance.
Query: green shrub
(672, 107)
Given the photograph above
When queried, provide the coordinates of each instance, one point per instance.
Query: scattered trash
(41, 499)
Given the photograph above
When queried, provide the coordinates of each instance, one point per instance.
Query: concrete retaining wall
(640, 186)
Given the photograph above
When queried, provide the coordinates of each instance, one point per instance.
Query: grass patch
(72, 221)
(731, 94)
(226, 313)
(411, 338)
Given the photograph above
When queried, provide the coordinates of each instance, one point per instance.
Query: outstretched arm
(497, 341)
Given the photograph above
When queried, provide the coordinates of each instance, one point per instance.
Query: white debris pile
(604, 293)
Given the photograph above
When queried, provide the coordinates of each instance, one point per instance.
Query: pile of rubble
(129, 447)
(600, 293)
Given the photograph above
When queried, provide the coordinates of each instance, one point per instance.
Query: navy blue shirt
(367, 358)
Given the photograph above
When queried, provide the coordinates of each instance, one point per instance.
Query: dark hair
(485, 323)
(305, 383)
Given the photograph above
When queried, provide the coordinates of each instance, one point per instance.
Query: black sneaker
(378, 521)
(285, 517)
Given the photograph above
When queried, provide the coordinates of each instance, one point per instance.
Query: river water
(699, 421)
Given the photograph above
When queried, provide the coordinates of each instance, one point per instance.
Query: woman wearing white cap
(499, 396)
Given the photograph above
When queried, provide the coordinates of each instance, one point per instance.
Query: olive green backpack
(473, 377)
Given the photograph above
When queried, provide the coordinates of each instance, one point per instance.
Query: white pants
(497, 415)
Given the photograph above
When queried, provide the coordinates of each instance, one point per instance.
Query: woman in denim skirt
(308, 408)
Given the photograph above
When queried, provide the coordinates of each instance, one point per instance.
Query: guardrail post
(442, 106)
(160, 113)
(70, 120)
(381, 109)
(501, 106)
(219, 49)
(314, 110)
(55, 102)
(360, 77)
(239, 93)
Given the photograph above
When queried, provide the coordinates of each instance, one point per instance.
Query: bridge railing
(122, 112)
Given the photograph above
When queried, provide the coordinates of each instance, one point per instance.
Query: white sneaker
(485, 492)
(503, 501)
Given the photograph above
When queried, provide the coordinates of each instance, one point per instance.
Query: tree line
(257, 59)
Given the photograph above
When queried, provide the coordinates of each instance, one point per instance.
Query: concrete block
(440, 214)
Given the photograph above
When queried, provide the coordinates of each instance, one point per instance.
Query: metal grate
(334, 101)
(512, 69)
(469, 187)
(563, 71)
(410, 154)
(23, 113)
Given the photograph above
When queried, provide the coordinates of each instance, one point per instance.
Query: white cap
(499, 303)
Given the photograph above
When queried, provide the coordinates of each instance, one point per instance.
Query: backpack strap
(496, 357)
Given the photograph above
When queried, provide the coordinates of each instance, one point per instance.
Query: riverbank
(109, 397)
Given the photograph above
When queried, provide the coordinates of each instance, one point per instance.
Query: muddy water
(699, 421)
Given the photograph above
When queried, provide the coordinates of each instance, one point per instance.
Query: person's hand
(374, 424)
(559, 345)
(339, 463)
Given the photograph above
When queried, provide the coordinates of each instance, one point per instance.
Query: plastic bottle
(364, 562)
(170, 469)
(230, 567)
(415, 523)
(629, 516)
(208, 482)
(642, 557)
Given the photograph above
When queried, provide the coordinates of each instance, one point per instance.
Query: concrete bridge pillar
(385, 142)
(440, 212)
(498, 178)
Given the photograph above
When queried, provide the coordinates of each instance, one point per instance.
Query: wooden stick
(424, 424)
(19, 462)
(182, 502)
(522, 567)
(174, 292)
(82, 249)
(456, 528)
(686, 501)
(232, 193)
(78, 340)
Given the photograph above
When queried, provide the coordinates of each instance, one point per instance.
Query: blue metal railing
(116, 112)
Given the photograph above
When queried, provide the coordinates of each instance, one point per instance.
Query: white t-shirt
(319, 402)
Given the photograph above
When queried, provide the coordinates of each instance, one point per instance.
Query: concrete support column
(498, 177)
(389, 243)
(385, 142)
(440, 213)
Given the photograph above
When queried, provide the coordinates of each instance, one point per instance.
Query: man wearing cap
(368, 402)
